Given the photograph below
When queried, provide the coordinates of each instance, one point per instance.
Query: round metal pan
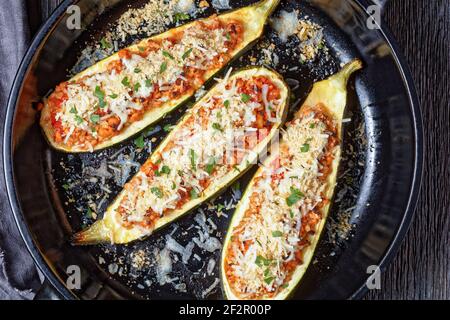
(384, 137)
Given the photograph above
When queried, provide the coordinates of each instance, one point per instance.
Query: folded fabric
(18, 274)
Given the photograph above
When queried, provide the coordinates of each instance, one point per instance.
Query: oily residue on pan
(183, 259)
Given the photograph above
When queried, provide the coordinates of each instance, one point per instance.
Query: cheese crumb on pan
(309, 34)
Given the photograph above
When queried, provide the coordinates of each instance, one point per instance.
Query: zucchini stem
(266, 7)
(348, 70)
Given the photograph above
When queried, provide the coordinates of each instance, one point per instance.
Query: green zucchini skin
(253, 17)
(109, 230)
(331, 93)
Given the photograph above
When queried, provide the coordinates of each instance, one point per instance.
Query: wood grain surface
(421, 268)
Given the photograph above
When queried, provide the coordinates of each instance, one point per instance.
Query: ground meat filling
(284, 209)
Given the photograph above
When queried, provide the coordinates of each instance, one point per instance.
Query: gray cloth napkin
(18, 274)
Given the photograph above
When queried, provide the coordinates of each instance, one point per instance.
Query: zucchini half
(110, 229)
(330, 94)
(253, 19)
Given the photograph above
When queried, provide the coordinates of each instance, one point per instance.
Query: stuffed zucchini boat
(278, 222)
(126, 92)
(214, 143)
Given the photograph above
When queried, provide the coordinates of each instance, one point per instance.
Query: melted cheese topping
(221, 133)
(103, 103)
(283, 210)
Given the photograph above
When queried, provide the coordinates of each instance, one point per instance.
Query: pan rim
(31, 243)
(410, 209)
(8, 173)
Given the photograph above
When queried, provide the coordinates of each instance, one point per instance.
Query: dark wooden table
(421, 269)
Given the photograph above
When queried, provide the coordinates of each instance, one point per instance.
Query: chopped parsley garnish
(139, 142)
(193, 193)
(113, 96)
(312, 125)
(245, 97)
(295, 196)
(148, 83)
(78, 119)
(167, 128)
(66, 186)
(165, 169)
(163, 67)
(226, 103)
(179, 16)
(210, 166)
(137, 70)
(186, 53)
(95, 118)
(168, 55)
(269, 280)
(291, 214)
(89, 213)
(137, 86)
(228, 36)
(277, 234)
(261, 261)
(304, 147)
(174, 186)
(193, 157)
(126, 82)
(217, 126)
(73, 110)
(99, 93)
(141, 49)
(157, 192)
(105, 44)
